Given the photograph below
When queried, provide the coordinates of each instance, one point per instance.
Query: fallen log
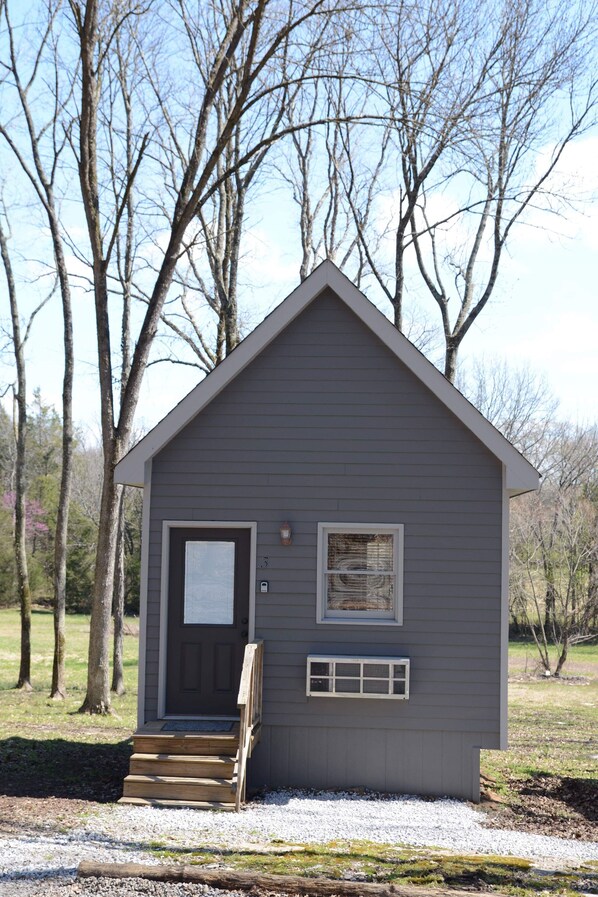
(230, 880)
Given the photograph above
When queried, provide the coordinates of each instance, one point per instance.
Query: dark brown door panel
(208, 608)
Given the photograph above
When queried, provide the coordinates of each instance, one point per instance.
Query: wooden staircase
(182, 769)
(205, 770)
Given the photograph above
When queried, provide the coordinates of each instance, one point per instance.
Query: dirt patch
(549, 805)
(26, 815)
(560, 680)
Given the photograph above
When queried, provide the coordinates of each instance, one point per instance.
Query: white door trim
(167, 525)
(143, 591)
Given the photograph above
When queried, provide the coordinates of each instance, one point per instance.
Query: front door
(208, 617)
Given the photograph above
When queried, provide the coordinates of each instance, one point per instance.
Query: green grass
(23, 710)
(524, 659)
(367, 861)
(553, 723)
(47, 747)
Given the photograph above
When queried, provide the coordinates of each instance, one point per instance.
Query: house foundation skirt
(431, 763)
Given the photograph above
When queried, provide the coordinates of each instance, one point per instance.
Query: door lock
(245, 620)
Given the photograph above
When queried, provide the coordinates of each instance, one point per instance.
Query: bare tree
(39, 156)
(316, 168)
(125, 74)
(554, 542)
(517, 401)
(473, 94)
(209, 278)
(555, 547)
(19, 339)
(429, 81)
(192, 178)
(534, 92)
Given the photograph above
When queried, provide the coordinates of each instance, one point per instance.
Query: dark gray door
(208, 617)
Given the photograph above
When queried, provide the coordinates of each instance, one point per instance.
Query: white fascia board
(520, 476)
(504, 624)
(143, 590)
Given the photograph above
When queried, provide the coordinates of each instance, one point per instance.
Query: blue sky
(544, 312)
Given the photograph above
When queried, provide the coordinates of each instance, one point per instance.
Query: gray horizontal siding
(327, 426)
(376, 488)
(419, 761)
(431, 460)
(246, 471)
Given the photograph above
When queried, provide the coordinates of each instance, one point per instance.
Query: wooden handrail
(249, 703)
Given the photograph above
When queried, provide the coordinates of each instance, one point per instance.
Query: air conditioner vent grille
(358, 677)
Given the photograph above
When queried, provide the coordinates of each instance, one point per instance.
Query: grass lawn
(47, 749)
(553, 724)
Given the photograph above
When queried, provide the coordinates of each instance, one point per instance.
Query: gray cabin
(324, 567)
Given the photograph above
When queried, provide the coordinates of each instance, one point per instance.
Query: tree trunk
(450, 362)
(118, 604)
(593, 593)
(58, 687)
(97, 698)
(231, 326)
(43, 180)
(550, 602)
(24, 680)
(562, 657)
(232, 880)
(20, 516)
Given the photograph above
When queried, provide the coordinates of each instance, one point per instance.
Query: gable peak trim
(520, 474)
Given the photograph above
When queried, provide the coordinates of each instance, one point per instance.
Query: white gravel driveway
(126, 834)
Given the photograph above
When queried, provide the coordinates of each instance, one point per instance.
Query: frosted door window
(209, 583)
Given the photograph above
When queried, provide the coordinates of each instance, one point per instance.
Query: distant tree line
(554, 548)
(553, 588)
(406, 141)
(42, 478)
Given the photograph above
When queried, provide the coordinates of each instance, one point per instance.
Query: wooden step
(211, 744)
(186, 765)
(194, 804)
(178, 788)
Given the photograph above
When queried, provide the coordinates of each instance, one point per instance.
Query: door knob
(244, 634)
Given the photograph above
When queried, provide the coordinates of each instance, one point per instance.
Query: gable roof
(520, 475)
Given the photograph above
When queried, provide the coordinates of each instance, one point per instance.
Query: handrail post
(249, 703)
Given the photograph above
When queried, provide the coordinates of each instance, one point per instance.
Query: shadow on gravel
(65, 769)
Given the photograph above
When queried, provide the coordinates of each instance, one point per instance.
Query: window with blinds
(358, 677)
(360, 573)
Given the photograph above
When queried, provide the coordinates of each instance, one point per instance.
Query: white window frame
(359, 618)
(333, 659)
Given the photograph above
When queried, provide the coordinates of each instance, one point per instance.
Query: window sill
(329, 621)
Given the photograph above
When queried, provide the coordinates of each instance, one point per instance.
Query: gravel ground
(125, 834)
(105, 887)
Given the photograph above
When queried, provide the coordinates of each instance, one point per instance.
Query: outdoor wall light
(286, 533)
